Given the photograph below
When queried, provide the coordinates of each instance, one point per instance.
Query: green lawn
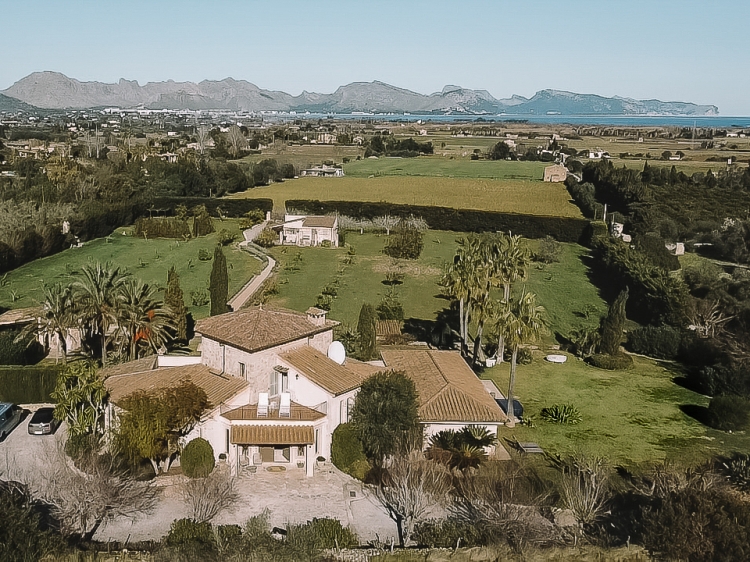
(629, 416)
(361, 281)
(147, 259)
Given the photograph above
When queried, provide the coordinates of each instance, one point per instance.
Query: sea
(709, 122)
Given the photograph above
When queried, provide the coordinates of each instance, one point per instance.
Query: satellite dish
(336, 352)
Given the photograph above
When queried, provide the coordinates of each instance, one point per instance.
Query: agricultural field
(435, 166)
(148, 260)
(510, 196)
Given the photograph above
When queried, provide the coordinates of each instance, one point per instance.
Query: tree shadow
(598, 276)
(698, 413)
(441, 333)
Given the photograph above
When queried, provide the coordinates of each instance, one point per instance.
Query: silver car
(43, 422)
(10, 417)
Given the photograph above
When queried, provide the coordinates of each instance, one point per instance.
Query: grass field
(629, 417)
(148, 260)
(562, 288)
(511, 196)
(436, 166)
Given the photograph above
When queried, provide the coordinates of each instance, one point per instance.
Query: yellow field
(510, 196)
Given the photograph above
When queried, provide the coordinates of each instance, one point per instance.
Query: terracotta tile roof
(254, 329)
(387, 327)
(364, 370)
(272, 435)
(449, 391)
(323, 371)
(218, 388)
(250, 413)
(139, 365)
(319, 222)
(20, 315)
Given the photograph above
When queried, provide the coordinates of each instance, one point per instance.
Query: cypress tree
(219, 283)
(367, 335)
(175, 300)
(612, 325)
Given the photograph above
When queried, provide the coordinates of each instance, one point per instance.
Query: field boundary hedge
(230, 207)
(28, 384)
(564, 229)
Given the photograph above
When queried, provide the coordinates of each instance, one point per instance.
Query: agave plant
(561, 413)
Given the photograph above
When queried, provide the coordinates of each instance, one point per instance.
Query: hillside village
(389, 332)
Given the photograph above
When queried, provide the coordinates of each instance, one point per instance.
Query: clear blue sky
(684, 50)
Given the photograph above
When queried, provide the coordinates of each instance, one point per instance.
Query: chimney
(317, 316)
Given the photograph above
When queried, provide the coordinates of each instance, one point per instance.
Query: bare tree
(410, 486)
(201, 136)
(207, 497)
(386, 222)
(84, 499)
(237, 141)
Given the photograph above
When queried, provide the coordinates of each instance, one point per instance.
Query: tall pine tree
(612, 325)
(367, 335)
(219, 283)
(175, 300)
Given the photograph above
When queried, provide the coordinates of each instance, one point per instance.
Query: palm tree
(97, 299)
(141, 318)
(522, 323)
(511, 259)
(55, 318)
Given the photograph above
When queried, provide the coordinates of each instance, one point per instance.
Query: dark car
(10, 417)
(43, 422)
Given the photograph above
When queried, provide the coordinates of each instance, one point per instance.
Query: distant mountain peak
(53, 90)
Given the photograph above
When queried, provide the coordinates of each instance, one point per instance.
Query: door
(266, 454)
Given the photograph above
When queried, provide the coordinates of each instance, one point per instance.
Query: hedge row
(28, 385)
(230, 207)
(564, 229)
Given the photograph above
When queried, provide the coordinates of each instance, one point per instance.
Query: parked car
(43, 422)
(10, 417)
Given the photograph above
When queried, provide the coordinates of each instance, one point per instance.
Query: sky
(672, 50)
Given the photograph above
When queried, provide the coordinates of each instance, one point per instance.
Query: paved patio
(289, 496)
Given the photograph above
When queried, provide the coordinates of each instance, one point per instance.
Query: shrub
(186, 531)
(225, 237)
(204, 254)
(549, 250)
(28, 385)
(561, 413)
(563, 229)
(524, 356)
(162, 227)
(197, 458)
(325, 244)
(266, 238)
(446, 533)
(729, 413)
(662, 342)
(390, 308)
(618, 362)
(27, 351)
(324, 302)
(737, 469)
(25, 533)
(81, 445)
(319, 534)
(200, 297)
(230, 207)
(406, 242)
(347, 453)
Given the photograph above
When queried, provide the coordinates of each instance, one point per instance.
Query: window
(301, 451)
(243, 373)
(317, 435)
(278, 382)
(227, 443)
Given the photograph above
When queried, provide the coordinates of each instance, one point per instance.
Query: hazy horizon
(669, 50)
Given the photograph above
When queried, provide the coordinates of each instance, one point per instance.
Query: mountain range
(53, 90)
